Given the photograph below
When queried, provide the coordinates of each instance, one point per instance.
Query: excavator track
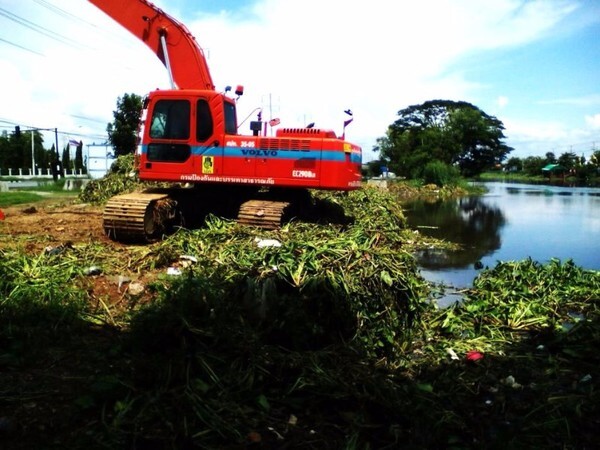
(265, 214)
(138, 216)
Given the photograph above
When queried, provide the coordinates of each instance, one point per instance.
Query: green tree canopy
(514, 164)
(15, 150)
(122, 132)
(568, 160)
(533, 165)
(551, 158)
(595, 159)
(79, 157)
(66, 158)
(455, 133)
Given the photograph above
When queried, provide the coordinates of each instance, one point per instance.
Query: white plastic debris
(93, 270)
(452, 354)
(267, 242)
(173, 271)
(189, 258)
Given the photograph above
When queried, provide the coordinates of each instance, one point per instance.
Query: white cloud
(312, 58)
(536, 138)
(502, 101)
(376, 57)
(586, 100)
(593, 121)
(536, 131)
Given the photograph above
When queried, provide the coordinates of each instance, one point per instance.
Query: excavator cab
(183, 133)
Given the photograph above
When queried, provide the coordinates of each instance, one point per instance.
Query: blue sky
(534, 64)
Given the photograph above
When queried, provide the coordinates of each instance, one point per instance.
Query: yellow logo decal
(208, 165)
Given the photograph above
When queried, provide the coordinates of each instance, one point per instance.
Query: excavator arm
(169, 39)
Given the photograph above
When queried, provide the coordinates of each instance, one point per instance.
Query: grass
(328, 341)
(31, 194)
(521, 177)
(18, 198)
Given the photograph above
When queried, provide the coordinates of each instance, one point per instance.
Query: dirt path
(50, 223)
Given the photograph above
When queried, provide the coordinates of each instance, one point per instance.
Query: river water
(510, 222)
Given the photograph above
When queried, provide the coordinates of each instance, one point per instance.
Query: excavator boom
(168, 38)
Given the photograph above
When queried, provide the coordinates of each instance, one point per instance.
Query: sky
(533, 64)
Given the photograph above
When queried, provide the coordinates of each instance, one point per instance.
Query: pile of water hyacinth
(311, 336)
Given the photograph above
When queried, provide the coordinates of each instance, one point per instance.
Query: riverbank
(409, 190)
(520, 177)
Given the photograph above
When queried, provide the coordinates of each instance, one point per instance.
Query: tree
(79, 157)
(122, 132)
(568, 160)
(533, 165)
(514, 164)
(455, 133)
(550, 158)
(373, 168)
(66, 158)
(595, 159)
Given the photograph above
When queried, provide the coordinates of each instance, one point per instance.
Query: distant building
(99, 159)
(554, 170)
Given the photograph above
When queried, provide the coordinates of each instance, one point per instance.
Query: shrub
(437, 172)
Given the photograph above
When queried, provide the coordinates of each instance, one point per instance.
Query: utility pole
(32, 156)
(56, 167)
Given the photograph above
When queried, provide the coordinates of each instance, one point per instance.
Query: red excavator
(189, 136)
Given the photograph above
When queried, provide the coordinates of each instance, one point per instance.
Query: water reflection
(511, 222)
(469, 222)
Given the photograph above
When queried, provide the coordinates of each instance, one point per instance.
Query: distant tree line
(15, 147)
(441, 140)
(15, 153)
(569, 164)
(15, 150)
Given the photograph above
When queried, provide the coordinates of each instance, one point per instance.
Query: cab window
(170, 120)
(230, 119)
(204, 122)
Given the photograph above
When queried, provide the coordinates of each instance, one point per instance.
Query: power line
(77, 19)
(88, 118)
(63, 133)
(21, 47)
(39, 29)
(63, 13)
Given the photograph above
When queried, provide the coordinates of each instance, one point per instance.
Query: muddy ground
(52, 224)
(56, 224)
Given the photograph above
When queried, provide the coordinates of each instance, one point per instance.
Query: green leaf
(386, 278)
(425, 387)
(263, 402)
